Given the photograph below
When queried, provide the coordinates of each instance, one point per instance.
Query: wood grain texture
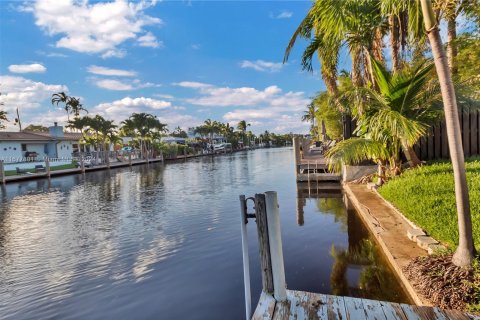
(264, 244)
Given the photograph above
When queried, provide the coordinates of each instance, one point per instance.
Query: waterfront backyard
(163, 241)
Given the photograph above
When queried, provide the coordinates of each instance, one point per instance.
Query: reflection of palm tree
(335, 207)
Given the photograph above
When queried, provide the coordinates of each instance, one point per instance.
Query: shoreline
(390, 231)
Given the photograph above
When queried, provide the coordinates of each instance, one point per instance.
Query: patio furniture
(40, 168)
(21, 171)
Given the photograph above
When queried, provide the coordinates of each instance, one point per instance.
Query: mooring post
(2, 172)
(276, 251)
(107, 158)
(264, 245)
(246, 262)
(47, 166)
(296, 150)
(82, 164)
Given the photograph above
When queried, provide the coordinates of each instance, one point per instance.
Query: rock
(412, 234)
(424, 241)
(436, 248)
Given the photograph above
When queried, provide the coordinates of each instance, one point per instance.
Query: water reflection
(139, 242)
(358, 269)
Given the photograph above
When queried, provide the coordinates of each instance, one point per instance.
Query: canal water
(163, 242)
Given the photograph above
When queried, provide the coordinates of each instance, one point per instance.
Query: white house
(54, 144)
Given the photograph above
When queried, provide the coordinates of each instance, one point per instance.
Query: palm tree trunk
(410, 154)
(378, 45)
(356, 74)
(464, 254)
(395, 42)
(452, 47)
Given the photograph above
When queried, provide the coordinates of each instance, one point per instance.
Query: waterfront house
(36, 145)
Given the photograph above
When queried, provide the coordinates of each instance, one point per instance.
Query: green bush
(426, 195)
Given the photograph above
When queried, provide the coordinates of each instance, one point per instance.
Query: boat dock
(310, 164)
(278, 303)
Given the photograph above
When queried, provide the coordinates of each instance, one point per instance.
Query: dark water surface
(163, 242)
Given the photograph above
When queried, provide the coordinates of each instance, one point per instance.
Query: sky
(183, 61)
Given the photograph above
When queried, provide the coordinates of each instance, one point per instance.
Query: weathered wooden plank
(429, 313)
(282, 310)
(265, 307)
(455, 315)
(330, 307)
(466, 132)
(393, 311)
(264, 245)
(438, 143)
(409, 312)
(354, 308)
(373, 309)
(301, 306)
(423, 149)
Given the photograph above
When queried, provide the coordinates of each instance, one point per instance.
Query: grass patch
(426, 196)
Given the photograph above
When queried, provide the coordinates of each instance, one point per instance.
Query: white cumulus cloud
(103, 71)
(27, 68)
(261, 65)
(284, 15)
(149, 40)
(99, 27)
(122, 85)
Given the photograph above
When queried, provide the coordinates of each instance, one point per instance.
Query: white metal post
(246, 263)
(276, 251)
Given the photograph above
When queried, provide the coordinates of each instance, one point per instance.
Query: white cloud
(98, 28)
(25, 93)
(122, 85)
(284, 15)
(27, 68)
(261, 65)
(164, 96)
(120, 110)
(28, 95)
(149, 40)
(110, 72)
(114, 85)
(192, 84)
(196, 46)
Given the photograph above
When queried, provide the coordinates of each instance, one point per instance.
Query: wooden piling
(263, 239)
(296, 151)
(82, 164)
(276, 251)
(107, 158)
(130, 158)
(2, 172)
(47, 166)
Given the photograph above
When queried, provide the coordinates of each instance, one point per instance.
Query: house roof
(38, 136)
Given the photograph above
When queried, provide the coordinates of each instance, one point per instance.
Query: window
(24, 147)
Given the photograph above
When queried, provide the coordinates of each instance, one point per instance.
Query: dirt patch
(446, 285)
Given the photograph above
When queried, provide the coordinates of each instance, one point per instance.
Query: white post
(47, 165)
(82, 164)
(2, 172)
(276, 252)
(246, 262)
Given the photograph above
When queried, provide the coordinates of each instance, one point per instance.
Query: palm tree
(391, 119)
(61, 97)
(3, 118)
(145, 127)
(242, 127)
(75, 106)
(464, 254)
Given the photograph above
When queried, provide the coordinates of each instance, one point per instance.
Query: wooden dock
(310, 164)
(306, 305)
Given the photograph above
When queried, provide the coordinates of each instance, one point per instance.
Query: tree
(146, 128)
(72, 105)
(180, 133)
(242, 127)
(3, 118)
(394, 117)
(464, 254)
(36, 128)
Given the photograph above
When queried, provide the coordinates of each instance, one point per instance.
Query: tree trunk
(356, 74)
(378, 45)
(452, 46)
(410, 154)
(464, 254)
(395, 42)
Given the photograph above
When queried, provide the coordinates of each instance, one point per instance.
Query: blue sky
(184, 61)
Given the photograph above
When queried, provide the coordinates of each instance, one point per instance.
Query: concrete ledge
(389, 230)
(350, 173)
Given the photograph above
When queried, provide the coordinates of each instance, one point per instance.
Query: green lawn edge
(426, 196)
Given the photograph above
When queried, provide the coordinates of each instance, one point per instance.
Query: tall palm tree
(242, 127)
(72, 105)
(464, 254)
(145, 127)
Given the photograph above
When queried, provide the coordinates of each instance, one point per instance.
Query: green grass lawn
(52, 168)
(426, 196)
